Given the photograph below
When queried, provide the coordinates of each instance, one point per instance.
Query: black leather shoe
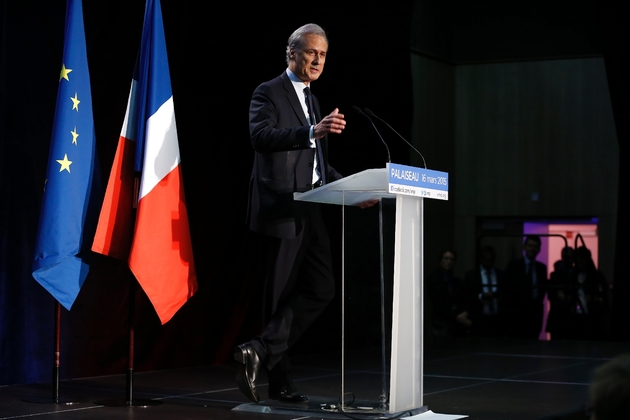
(248, 370)
(287, 393)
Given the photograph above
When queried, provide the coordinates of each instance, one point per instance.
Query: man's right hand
(368, 203)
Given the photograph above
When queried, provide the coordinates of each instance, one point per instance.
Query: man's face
(307, 63)
(487, 259)
(448, 261)
(531, 249)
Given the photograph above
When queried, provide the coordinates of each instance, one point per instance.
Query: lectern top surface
(367, 185)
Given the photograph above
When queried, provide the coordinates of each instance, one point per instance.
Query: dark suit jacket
(523, 308)
(474, 283)
(445, 299)
(520, 284)
(283, 160)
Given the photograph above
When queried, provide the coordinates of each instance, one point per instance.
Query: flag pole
(57, 351)
(129, 400)
(132, 335)
(56, 368)
(132, 308)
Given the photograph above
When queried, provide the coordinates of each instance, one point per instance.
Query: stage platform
(484, 379)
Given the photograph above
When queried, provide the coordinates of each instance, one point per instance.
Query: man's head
(583, 259)
(447, 260)
(567, 255)
(531, 246)
(487, 256)
(306, 52)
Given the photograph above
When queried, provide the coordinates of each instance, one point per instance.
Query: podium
(408, 186)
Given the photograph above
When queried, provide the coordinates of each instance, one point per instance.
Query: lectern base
(327, 408)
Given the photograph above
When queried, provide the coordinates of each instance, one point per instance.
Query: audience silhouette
(587, 299)
(558, 322)
(491, 302)
(526, 286)
(447, 300)
(485, 284)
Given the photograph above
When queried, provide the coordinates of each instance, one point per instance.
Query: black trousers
(299, 285)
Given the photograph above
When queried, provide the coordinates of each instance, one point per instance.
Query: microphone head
(368, 112)
(356, 110)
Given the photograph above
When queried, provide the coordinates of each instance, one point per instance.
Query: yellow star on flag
(65, 163)
(74, 135)
(75, 102)
(64, 73)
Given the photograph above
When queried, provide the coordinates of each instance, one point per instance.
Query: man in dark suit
(486, 285)
(290, 140)
(527, 285)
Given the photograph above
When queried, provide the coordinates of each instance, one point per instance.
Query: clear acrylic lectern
(406, 357)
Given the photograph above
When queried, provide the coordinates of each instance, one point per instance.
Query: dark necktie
(320, 154)
(531, 273)
(490, 307)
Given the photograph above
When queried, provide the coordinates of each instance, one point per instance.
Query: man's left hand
(332, 123)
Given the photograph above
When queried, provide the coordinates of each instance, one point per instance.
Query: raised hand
(331, 123)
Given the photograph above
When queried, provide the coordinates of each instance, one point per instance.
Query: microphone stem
(410, 145)
(389, 158)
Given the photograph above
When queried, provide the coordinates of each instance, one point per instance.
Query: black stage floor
(485, 379)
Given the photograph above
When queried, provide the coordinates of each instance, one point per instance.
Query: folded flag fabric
(144, 219)
(72, 191)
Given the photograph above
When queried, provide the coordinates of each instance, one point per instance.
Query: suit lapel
(293, 99)
(296, 104)
(318, 114)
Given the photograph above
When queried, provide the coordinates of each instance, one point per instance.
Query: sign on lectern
(417, 182)
(377, 183)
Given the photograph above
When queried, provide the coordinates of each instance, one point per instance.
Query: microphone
(359, 111)
(368, 113)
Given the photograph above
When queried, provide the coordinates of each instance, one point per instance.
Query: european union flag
(72, 191)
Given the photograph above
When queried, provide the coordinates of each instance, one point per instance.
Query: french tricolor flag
(144, 218)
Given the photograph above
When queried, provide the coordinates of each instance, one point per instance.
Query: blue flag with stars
(72, 190)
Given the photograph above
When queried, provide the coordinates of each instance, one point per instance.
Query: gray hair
(610, 388)
(297, 37)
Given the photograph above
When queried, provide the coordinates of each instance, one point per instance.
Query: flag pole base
(57, 401)
(142, 403)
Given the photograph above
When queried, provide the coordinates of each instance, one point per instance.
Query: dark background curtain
(615, 32)
(217, 57)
